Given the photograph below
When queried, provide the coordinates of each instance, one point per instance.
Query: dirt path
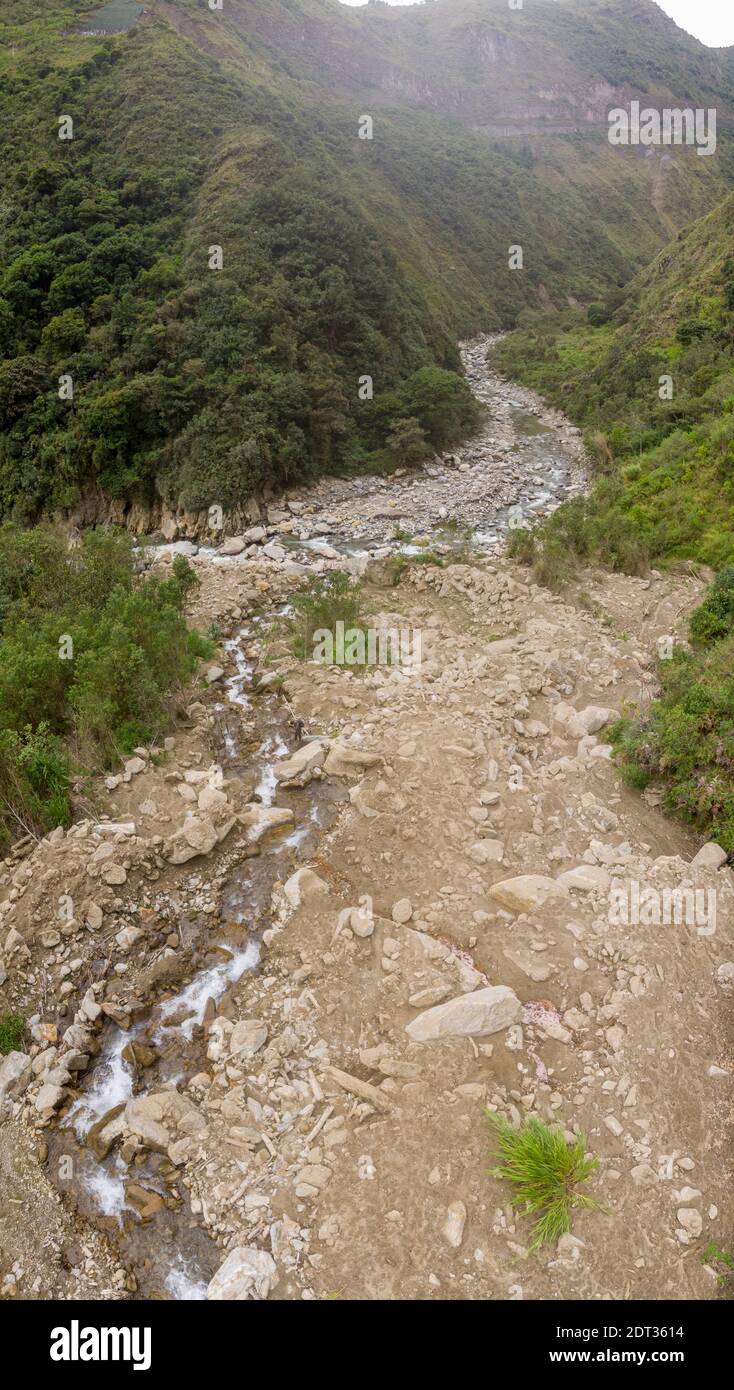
(257, 933)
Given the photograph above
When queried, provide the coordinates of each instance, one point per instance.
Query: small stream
(171, 1255)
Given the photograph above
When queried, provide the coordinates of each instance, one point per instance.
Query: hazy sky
(712, 21)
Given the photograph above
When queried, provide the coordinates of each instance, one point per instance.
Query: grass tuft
(12, 1028)
(544, 1171)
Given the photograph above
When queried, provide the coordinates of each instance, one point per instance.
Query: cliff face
(487, 65)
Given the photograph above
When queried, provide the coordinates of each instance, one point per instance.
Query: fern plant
(544, 1171)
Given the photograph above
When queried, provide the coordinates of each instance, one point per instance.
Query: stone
(360, 919)
(453, 1227)
(134, 765)
(425, 998)
(113, 874)
(305, 759)
(214, 674)
(198, 835)
(94, 916)
(15, 1073)
(210, 798)
(526, 892)
(106, 1131)
(159, 1117)
(247, 1273)
(314, 1175)
(478, 1014)
(247, 1037)
(127, 936)
(580, 723)
(402, 911)
(586, 878)
(710, 856)
(344, 761)
(261, 819)
(304, 883)
(49, 1097)
(487, 852)
(690, 1220)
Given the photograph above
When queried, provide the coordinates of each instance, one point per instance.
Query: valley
(366, 970)
(223, 1054)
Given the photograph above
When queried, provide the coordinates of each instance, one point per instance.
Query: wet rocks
(162, 1117)
(305, 759)
(106, 1132)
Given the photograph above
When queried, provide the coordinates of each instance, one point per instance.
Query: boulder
(710, 856)
(587, 878)
(527, 892)
(487, 852)
(344, 761)
(305, 759)
(247, 1037)
(260, 819)
(304, 883)
(113, 874)
(247, 1273)
(15, 1073)
(49, 1097)
(578, 723)
(210, 798)
(161, 1117)
(478, 1014)
(106, 1131)
(198, 835)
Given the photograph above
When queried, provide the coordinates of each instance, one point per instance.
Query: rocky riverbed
(526, 459)
(272, 984)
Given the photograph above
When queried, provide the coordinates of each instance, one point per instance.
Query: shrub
(90, 653)
(322, 604)
(34, 782)
(544, 1171)
(686, 739)
(714, 619)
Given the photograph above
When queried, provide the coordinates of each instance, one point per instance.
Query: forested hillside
(341, 258)
(649, 373)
